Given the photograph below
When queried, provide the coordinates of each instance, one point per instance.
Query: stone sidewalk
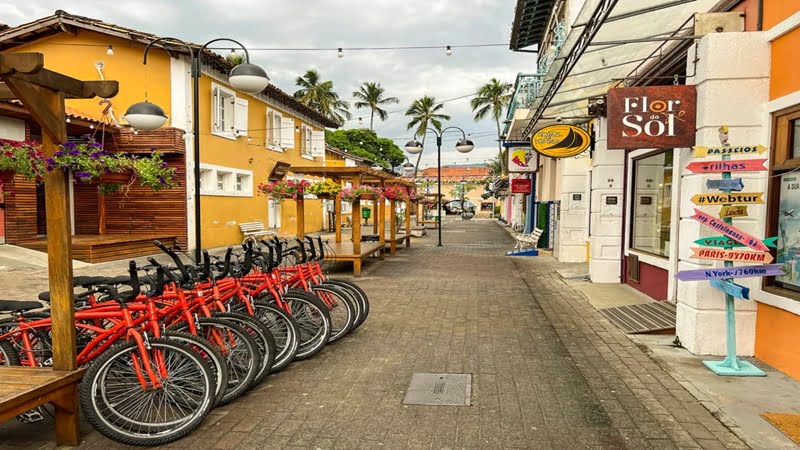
(548, 370)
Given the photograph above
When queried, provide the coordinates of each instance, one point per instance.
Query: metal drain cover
(439, 389)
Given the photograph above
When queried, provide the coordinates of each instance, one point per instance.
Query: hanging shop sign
(731, 255)
(729, 230)
(702, 152)
(652, 117)
(747, 165)
(561, 141)
(521, 186)
(768, 270)
(722, 241)
(733, 211)
(749, 198)
(732, 289)
(522, 160)
(733, 184)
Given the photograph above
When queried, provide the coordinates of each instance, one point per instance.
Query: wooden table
(25, 388)
(343, 251)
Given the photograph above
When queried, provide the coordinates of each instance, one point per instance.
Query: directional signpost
(723, 241)
(722, 246)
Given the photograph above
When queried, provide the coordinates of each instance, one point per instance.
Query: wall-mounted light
(110, 51)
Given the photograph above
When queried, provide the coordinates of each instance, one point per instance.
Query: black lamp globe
(248, 78)
(414, 147)
(145, 116)
(408, 168)
(464, 146)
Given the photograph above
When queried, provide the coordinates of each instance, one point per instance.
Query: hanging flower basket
(417, 198)
(324, 196)
(361, 192)
(325, 189)
(283, 189)
(367, 196)
(395, 193)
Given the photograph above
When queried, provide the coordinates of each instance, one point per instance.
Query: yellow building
(242, 136)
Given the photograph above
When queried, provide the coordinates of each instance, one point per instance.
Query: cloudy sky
(406, 74)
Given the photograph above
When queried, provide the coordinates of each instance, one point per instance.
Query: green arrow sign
(722, 241)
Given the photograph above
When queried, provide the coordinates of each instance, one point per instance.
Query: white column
(732, 79)
(605, 239)
(573, 221)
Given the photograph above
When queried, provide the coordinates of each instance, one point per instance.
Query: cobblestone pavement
(548, 370)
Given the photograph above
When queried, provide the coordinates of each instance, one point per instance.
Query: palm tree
(370, 95)
(424, 112)
(491, 99)
(319, 95)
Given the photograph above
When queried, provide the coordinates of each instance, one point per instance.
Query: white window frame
(211, 173)
(223, 97)
(306, 142)
(272, 140)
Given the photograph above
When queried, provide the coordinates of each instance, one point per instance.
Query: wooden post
(393, 226)
(101, 214)
(381, 223)
(357, 237)
(376, 212)
(419, 213)
(301, 216)
(337, 212)
(408, 222)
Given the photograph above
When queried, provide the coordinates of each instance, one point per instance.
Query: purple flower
(162, 181)
(70, 145)
(95, 155)
(95, 144)
(74, 152)
(59, 153)
(163, 165)
(83, 175)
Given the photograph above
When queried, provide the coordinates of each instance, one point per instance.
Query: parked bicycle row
(166, 343)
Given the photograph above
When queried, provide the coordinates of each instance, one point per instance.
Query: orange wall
(784, 76)
(750, 10)
(776, 339)
(776, 11)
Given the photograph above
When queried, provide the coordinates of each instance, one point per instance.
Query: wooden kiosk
(354, 250)
(42, 92)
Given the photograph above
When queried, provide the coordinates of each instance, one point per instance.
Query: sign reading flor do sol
(651, 117)
(561, 141)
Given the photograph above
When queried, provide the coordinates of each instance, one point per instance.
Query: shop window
(225, 181)
(652, 203)
(784, 200)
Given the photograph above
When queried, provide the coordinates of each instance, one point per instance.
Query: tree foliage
(491, 99)
(425, 112)
(319, 95)
(367, 144)
(371, 96)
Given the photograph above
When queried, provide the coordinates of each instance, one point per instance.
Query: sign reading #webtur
(652, 117)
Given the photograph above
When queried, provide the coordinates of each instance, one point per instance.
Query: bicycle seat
(87, 281)
(45, 296)
(122, 279)
(17, 305)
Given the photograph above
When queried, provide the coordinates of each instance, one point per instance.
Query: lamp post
(245, 77)
(463, 145)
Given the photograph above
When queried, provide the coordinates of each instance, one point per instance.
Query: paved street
(548, 371)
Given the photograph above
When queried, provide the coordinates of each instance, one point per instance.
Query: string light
(110, 51)
(449, 51)
(68, 120)
(340, 53)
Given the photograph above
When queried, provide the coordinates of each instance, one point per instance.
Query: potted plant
(417, 198)
(325, 189)
(395, 193)
(283, 189)
(363, 192)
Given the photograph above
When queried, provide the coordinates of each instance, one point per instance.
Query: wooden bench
(252, 230)
(528, 239)
(398, 239)
(25, 388)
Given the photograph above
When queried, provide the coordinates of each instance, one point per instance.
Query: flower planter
(122, 178)
(324, 196)
(366, 197)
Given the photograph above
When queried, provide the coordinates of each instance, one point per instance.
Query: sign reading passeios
(652, 117)
(561, 141)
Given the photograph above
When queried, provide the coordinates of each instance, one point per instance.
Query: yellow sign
(733, 211)
(727, 199)
(701, 152)
(560, 141)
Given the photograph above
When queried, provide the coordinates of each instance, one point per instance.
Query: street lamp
(463, 145)
(245, 77)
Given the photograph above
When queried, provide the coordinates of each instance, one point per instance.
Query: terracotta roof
(457, 172)
(62, 21)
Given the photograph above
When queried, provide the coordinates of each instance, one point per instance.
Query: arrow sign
(745, 165)
(731, 255)
(771, 242)
(734, 184)
(732, 211)
(751, 198)
(729, 230)
(700, 152)
(736, 290)
(722, 241)
(769, 270)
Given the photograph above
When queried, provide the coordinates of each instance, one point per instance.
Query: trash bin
(366, 213)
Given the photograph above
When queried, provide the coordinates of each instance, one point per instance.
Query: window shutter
(215, 104)
(240, 116)
(268, 133)
(317, 143)
(287, 133)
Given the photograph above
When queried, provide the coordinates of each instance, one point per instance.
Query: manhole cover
(444, 389)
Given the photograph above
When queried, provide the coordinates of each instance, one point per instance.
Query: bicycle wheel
(357, 293)
(117, 406)
(41, 343)
(261, 334)
(312, 318)
(212, 356)
(8, 354)
(283, 328)
(240, 351)
(340, 307)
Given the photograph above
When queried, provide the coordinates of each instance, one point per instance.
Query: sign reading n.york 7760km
(768, 270)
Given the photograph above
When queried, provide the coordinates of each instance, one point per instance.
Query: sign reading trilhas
(561, 141)
(652, 117)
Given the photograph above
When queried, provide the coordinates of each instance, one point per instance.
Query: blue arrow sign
(734, 184)
(736, 290)
(768, 270)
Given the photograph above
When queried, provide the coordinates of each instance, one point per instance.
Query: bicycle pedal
(31, 416)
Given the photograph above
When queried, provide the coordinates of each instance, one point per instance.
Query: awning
(633, 30)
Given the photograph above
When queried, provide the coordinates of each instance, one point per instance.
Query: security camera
(559, 119)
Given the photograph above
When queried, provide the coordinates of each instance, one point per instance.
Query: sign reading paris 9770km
(652, 117)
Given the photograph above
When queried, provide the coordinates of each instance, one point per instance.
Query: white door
(274, 214)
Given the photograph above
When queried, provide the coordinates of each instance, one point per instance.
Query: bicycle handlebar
(176, 259)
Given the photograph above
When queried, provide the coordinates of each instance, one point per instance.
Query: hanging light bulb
(296, 129)
(360, 121)
(449, 51)
(110, 51)
(91, 127)
(68, 120)
(340, 53)
(135, 131)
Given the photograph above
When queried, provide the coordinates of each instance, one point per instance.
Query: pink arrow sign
(743, 165)
(768, 270)
(729, 230)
